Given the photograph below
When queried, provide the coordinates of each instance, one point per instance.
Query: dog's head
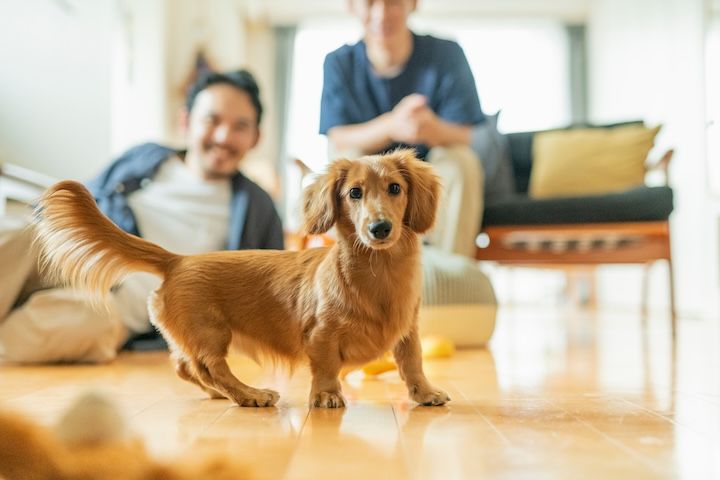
(377, 197)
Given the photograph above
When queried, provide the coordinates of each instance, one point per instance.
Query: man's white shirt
(183, 214)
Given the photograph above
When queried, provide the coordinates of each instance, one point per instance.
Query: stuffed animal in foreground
(432, 347)
(91, 441)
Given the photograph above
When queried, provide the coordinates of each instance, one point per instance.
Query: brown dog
(342, 305)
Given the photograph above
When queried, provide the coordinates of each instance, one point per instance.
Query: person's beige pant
(461, 206)
(50, 324)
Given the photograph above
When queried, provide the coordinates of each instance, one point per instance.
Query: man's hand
(412, 121)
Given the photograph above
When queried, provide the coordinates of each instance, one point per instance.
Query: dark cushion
(142, 342)
(521, 150)
(520, 145)
(636, 205)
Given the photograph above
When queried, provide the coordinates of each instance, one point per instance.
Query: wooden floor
(559, 395)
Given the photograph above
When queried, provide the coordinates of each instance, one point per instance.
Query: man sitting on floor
(189, 202)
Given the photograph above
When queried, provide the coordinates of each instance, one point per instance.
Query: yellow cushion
(589, 161)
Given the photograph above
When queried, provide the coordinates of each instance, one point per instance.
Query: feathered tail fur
(84, 249)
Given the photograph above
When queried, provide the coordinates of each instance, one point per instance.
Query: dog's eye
(355, 193)
(394, 189)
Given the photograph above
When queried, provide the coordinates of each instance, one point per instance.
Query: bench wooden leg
(673, 312)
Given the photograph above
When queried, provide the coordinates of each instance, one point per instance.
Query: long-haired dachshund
(342, 305)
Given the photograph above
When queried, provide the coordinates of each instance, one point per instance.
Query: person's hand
(410, 105)
(427, 126)
(413, 122)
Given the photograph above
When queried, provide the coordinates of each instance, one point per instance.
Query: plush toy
(432, 347)
(92, 442)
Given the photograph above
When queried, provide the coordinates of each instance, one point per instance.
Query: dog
(93, 441)
(335, 306)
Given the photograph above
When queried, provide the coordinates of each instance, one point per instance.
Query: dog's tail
(83, 248)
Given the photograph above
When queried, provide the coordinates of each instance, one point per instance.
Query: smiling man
(188, 201)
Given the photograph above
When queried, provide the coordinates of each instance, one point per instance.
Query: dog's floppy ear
(423, 191)
(321, 202)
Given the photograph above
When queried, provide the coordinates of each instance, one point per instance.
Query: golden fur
(333, 306)
(91, 442)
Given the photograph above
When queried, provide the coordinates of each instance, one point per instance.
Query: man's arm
(367, 138)
(459, 107)
(434, 131)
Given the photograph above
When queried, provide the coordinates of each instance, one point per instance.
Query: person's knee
(460, 159)
(58, 325)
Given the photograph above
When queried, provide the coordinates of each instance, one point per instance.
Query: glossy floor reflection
(558, 395)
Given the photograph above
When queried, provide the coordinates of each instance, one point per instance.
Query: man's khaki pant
(461, 205)
(41, 324)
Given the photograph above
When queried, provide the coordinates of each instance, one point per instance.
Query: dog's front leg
(325, 364)
(408, 355)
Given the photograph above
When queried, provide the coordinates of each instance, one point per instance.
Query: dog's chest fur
(379, 314)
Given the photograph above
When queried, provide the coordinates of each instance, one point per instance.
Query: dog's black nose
(380, 229)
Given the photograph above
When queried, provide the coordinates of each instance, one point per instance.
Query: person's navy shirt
(353, 93)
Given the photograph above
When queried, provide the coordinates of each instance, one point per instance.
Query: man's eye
(355, 193)
(394, 189)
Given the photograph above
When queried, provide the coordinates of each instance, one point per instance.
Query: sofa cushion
(492, 148)
(521, 151)
(635, 205)
(590, 161)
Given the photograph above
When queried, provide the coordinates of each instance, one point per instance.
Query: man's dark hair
(240, 79)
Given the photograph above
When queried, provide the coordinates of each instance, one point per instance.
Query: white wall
(55, 85)
(646, 61)
(217, 28)
(82, 81)
(139, 52)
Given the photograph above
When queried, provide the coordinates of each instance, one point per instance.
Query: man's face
(384, 21)
(221, 128)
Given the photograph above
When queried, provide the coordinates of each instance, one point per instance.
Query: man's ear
(321, 199)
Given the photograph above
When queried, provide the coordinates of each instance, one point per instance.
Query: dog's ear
(423, 191)
(321, 199)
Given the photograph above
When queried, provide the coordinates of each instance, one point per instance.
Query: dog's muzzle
(380, 229)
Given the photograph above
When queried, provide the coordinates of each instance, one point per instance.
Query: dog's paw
(429, 396)
(327, 400)
(259, 398)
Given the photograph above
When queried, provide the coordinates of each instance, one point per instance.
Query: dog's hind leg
(184, 371)
(200, 356)
(215, 372)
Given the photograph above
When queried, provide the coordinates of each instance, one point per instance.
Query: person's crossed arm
(410, 122)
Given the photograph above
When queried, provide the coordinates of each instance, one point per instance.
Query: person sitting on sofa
(397, 88)
(189, 201)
